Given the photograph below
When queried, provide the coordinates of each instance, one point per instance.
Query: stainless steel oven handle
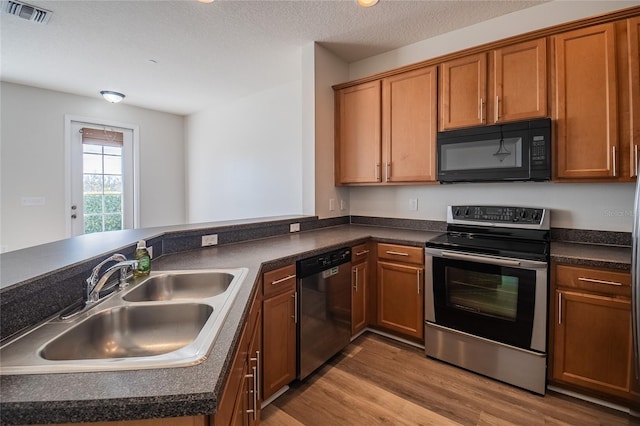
(483, 259)
(500, 261)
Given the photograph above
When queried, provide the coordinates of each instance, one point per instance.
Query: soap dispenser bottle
(144, 260)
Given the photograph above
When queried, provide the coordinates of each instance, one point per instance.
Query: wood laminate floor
(377, 381)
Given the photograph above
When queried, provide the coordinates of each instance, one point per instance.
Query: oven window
(488, 294)
(487, 154)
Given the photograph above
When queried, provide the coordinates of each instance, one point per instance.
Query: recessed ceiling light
(113, 97)
(367, 3)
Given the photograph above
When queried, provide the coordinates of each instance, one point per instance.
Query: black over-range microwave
(519, 151)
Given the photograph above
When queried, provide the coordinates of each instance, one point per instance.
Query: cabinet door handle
(397, 253)
(355, 286)
(559, 308)
(482, 110)
(497, 110)
(295, 307)
(635, 159)
(360, 253)
(418, 281)
(615, 165)
(257, 372)
(253, 411)
(281, 280)
(591, 280)
(378, 178)
(388, 172)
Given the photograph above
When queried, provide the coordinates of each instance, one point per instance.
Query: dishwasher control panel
(324, 261)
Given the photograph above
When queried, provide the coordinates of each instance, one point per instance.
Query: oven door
(500, 299)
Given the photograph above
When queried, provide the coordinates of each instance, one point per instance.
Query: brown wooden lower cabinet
(400, 285)
(360, 290)
(592, 348)
(279, 330)
(237, 403)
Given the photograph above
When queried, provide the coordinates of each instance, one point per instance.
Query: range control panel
(498, 214)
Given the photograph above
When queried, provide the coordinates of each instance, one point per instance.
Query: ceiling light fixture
(113, 97)
(205, 1)
(367, 3)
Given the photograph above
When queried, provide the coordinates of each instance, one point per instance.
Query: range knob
(456, 212)
(523, 214)
(535, 215)
(466, 211)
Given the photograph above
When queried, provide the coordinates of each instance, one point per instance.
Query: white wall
(581, 206)
(33, 163)
(244, 160)
(329, 70)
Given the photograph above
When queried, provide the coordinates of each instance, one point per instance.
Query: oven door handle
(488, 259)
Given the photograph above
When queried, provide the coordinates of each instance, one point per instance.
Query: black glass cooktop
(513, 243)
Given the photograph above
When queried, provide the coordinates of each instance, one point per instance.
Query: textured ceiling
(183, 56)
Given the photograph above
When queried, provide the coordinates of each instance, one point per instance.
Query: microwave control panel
(497, 214)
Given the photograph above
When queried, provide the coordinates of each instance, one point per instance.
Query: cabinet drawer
(399, 253)
(598, 280)
(279, 280)
(360, 253)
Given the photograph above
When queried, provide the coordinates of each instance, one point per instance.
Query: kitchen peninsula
(195, 391)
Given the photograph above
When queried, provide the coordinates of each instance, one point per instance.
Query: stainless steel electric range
(487, 295)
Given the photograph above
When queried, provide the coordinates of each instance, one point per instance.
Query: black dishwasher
(324, 293)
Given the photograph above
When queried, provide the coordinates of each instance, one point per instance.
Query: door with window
(102, 178)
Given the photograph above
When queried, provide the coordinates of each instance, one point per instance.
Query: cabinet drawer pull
(591, 280)
(360, 253)
(281, 280)
(257, 372)
(397, 253)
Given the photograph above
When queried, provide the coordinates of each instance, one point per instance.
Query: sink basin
(130, 331)
(168, 319)
(180, 286)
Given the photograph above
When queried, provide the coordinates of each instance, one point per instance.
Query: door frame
(68, 119)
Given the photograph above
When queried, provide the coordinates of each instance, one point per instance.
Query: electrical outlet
(332, 204)
(33, 201)
(150, 250)
(413, 204)
(209, 240)
(343, 205)
(294, 227)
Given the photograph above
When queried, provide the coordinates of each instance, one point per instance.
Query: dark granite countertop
(182, 391)
(594, 255)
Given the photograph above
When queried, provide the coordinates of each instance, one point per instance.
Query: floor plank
(378, 381)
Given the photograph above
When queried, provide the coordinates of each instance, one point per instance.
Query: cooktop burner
(515, 232)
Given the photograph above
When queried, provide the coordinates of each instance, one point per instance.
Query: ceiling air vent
(26, 11)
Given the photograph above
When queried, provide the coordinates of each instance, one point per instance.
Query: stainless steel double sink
(168, 319)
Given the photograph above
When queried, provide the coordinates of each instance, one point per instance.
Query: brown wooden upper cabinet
(386, 129)
(511, 86)
(633, 36)
(586, 106)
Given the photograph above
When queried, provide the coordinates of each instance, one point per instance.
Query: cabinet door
(400, 299)
(409, 126)
(358, 134)
(519, 82)
(255, 369)
(592, 344)
(586, 103)
(360, 278)
(279, 344)
(463, 92)
(633, 34)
